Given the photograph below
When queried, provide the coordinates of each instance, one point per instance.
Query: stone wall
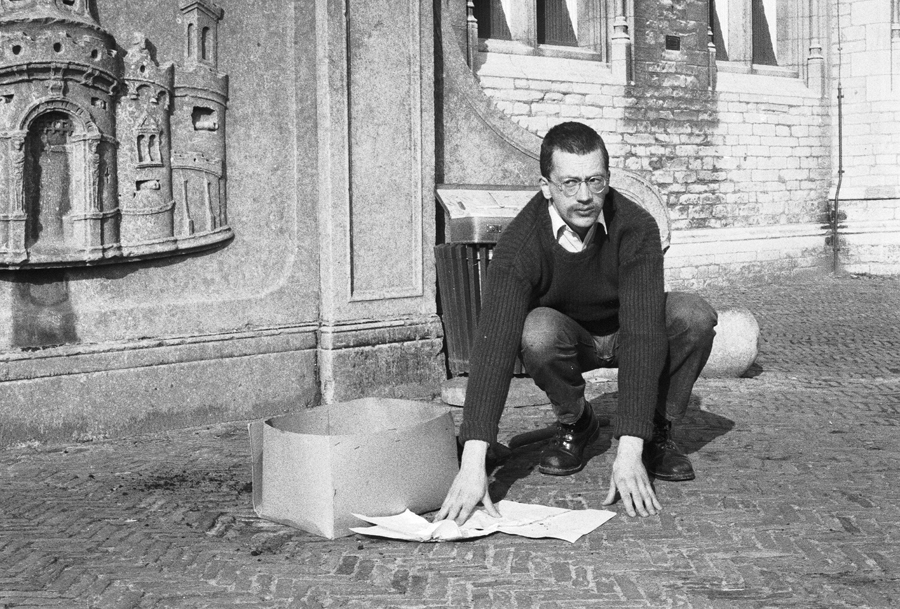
(326, 291)
(868, 68)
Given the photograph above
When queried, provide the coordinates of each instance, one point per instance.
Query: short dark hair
(574, 138)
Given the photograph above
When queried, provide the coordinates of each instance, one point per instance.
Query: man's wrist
(630, 446)
(474, 453)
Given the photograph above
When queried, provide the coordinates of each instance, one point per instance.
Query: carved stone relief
(106, 155)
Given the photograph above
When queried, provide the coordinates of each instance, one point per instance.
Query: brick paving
(795, 503)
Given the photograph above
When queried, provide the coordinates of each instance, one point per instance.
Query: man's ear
(545, 188)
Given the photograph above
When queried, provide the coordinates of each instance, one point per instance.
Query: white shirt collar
(568, 238)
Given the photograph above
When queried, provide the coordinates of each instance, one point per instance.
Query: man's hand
(629, 478)
(469, 487)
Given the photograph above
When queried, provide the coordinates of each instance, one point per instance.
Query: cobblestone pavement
(795, 503)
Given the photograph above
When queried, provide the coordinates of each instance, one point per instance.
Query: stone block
(736, 344)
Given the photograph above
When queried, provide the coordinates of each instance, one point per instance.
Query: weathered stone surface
(318, 245)
(736, 344)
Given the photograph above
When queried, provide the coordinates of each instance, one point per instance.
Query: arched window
(191, 39)
(153, 148)
(206, 44)
(141, 147)
(47, 179)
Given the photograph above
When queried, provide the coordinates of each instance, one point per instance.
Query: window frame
(594, 24)
(792, 31)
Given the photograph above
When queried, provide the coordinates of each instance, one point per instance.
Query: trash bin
(475, 218)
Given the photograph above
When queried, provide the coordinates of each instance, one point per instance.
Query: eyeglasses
(570, 186)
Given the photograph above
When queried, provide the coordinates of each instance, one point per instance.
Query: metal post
(835, 210)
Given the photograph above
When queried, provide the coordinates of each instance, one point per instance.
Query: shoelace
(564, 433)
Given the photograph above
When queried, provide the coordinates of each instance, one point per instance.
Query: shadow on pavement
(696, 430)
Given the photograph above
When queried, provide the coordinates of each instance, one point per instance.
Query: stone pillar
(379, 333)
(17, 251)
(471, 34)
(815, 62)
(620, 51)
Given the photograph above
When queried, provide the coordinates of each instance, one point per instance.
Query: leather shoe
(662, 457)
(564, 454)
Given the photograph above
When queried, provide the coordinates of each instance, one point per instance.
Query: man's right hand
(469, 487)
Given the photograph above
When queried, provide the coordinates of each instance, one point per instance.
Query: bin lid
(479, 201)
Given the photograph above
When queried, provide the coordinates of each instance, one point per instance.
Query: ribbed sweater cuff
(478, 430)
(633, 427)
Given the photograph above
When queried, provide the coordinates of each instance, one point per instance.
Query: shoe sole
(552, 471)
(672, 478)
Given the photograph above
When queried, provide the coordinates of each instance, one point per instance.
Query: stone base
(80, 393)
(402, 360)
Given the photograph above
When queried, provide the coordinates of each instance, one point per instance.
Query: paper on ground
(527, 520)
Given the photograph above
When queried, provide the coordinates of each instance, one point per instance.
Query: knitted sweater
(615, 283)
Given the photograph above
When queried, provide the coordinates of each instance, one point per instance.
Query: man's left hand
(629, 478)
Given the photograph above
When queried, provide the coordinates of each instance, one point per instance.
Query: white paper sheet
(525, 519)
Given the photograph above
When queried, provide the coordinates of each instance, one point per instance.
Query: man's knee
(691, 317)
(540, 335)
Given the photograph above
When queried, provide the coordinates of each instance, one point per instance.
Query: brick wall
(744, 169)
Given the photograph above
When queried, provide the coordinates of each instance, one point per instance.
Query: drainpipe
(835, 209)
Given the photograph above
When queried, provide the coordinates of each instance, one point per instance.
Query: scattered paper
(527, 520)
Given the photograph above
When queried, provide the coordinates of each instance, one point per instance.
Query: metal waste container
(475, 218)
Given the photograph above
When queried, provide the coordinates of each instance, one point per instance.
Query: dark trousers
(556, 350)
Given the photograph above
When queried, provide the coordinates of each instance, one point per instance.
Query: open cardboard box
(373, 456)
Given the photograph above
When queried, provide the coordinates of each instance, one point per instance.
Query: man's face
(581, 209)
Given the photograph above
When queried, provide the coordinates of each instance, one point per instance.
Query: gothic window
(153, 148)
(555, 23)
(191, 39)
(546, 27)
(760, 35)
(492, 20)
(148, 147)
(206, 44)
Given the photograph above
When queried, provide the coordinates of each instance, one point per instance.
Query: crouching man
(576, 283)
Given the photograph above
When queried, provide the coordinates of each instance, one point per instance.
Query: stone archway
(49, 170)
(56, 160)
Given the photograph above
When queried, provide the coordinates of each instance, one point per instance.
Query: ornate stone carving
(107, 156)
